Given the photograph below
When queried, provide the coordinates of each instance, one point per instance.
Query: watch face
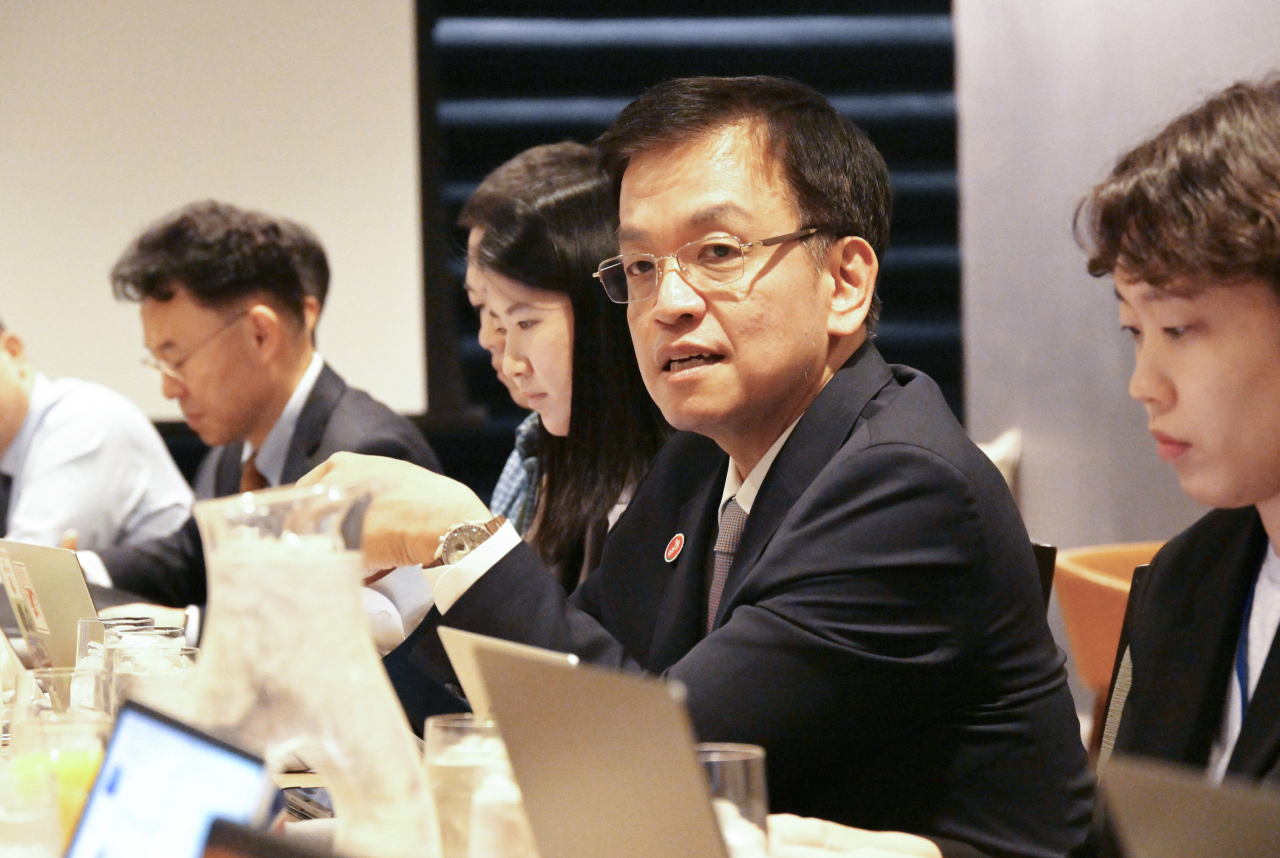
(461, 540)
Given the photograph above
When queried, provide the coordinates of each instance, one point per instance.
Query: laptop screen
(160, 787)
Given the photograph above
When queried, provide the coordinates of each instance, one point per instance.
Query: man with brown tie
(229, 302)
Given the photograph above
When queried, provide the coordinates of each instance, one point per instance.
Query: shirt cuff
(95, 571)
(448, 583)
(408, 590)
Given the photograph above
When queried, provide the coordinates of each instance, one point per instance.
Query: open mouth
(677, 364)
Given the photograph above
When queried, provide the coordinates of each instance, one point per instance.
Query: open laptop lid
(230, 840)
(605, 761)
(461, 647)
(48, 594)
(160, 786)
(1158, 810)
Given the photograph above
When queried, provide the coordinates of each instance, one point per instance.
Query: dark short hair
(837, 177)
(308, 258)
(1199, 200)
(554, 241)
(220, 253)
(526, 178)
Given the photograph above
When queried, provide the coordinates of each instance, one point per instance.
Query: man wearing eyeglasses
(822, 558)
(229, 301)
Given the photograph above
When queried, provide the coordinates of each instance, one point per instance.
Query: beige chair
(1093, 589)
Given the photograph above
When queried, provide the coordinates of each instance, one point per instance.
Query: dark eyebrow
(703, 217)
(1150, 293)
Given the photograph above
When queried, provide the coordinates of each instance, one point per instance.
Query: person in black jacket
(822, 557)
(1188, 223)
(229, 301)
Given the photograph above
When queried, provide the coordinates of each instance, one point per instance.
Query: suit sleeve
(168, 571)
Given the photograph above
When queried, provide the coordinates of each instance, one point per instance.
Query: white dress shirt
(87, 459)
(1264, 617)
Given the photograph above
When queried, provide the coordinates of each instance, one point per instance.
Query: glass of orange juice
(60, 727)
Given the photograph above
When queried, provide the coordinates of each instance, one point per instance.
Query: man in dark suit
(823, 559)
(229, 302)
(1187, 224)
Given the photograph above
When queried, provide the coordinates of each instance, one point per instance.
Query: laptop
(605, 761)
(1159, 810)
(461, 647)
(49, 596)
(160, 786)
(230, 840)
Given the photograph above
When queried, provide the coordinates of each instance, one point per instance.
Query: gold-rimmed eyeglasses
(173, 369)
(706, 263)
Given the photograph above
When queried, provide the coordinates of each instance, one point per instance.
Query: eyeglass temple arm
(791, 236)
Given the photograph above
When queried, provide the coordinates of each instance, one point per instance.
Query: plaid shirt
(516, 494)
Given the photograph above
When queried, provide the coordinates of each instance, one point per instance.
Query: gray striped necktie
(732, 521)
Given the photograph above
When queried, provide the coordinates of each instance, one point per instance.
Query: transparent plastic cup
(460, 749)
(91, 635)
(29, 826)
(735, 773)
(153, 676)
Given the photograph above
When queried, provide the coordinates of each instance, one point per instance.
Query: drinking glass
(735, 774)
(459, 751)
(147, 645)
(91, 634)
(60, 691)
(152, 675)
(28, 813)
(60, 728)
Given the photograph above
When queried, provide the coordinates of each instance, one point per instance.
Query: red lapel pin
(673, 548)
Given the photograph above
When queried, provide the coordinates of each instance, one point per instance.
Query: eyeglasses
(705, 264)
(173, 369)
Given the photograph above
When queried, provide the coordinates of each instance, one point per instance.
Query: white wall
(114, 113)
(1049, 95)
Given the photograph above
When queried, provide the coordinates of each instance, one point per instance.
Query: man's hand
(412, 507)
(803, 837)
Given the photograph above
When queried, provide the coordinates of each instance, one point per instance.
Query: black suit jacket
(1182, 625)
(335, 418)
(881, 632)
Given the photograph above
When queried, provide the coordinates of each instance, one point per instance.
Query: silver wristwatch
(461, 539)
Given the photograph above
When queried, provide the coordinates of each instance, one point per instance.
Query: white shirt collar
(745, 490)
(275, 447)
(40, 401)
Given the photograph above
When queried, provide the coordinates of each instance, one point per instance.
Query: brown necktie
(251, 479)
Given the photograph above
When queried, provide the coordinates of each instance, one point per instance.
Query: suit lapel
(1194, 664)
(819, 434)
(312, 422)
(679, 619)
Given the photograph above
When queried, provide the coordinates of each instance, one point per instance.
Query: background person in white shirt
(79, 461)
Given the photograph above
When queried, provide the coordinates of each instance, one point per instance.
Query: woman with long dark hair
(568, 350)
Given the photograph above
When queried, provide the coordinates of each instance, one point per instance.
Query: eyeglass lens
(707, 262)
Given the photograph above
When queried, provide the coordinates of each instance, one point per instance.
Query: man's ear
(13, 345)
(267, 329)
(310, 315)
(853, 267)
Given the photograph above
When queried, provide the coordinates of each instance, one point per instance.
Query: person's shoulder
(909, 421)
(94, 409)
(1208, 536)
(359, 423)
